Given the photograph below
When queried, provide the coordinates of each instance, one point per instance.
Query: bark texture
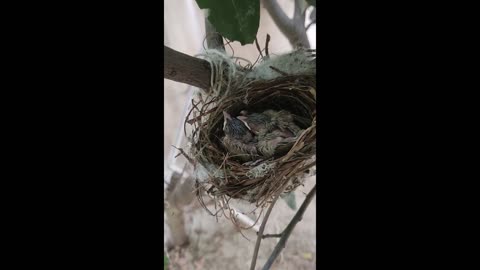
(183, 68)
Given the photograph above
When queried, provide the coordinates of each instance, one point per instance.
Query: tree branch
(293, 29)
(179, 194)
(310, 24)
(288, 230)
(260, 234)
(298, 15)
(279, 17)
(272, 235)
(183, 68)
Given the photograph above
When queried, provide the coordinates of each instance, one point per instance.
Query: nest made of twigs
(223, 175)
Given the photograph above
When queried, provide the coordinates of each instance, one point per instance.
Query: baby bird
(260, 124)
(269, 120)
(268, 134)
(274, 144)
(238, 139)
(284, 120)
(276, 131)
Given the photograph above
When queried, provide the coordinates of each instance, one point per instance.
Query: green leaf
(312, 2)
(237, 20)
(290, 200)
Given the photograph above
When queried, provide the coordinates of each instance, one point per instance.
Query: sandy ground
(218, 244)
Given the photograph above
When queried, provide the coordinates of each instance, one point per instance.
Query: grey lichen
(298, 62)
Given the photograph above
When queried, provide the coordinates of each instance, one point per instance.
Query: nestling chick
(238, 139)
(274, 144)
(276, 131)
(269, 120)
(284, 120)
(260, 124)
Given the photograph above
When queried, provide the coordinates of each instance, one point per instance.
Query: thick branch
(298, 15)
(183, 68)
(279, 17)
(288, 230)
(293, 29)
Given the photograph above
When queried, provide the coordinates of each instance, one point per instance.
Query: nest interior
(254, 182)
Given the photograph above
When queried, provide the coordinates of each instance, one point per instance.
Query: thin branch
(260, 233)
(267, 56)
(272, 235)
(288, 230)
(310, 24)
(182, 152)
(258, 47)
(279, 71)
(184, 68)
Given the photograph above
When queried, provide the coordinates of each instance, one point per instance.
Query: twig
(310, 24)
(193, 120)
(260, 233)
(272, 235)
(258, 47)
(184, 154)
(288, 230)
(266, 46)
(231, 48)
(279, 71)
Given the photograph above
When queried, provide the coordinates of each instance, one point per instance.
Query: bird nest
(221, 174)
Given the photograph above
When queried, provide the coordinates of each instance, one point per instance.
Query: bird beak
(244, 120)
(226, 116)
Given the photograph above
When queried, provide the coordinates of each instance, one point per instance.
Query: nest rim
(297, 90)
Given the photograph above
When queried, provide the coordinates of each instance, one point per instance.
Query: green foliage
(237, 20)
(165, 262)
(312, 2)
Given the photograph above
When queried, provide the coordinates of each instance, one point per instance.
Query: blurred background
(217, 244)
